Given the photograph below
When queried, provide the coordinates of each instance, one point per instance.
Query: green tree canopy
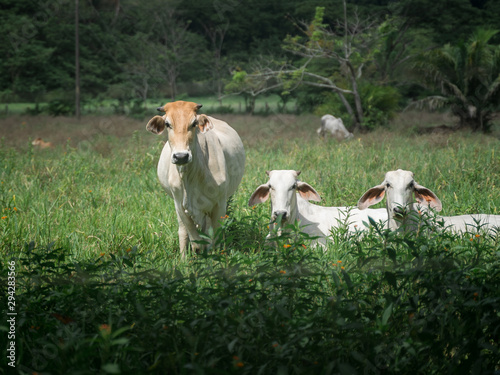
(467, 76)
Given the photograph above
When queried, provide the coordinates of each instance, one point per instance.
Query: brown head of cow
(182, 122)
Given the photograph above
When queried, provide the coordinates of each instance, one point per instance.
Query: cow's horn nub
(160, 109)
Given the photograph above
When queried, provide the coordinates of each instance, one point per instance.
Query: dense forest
(362, 58)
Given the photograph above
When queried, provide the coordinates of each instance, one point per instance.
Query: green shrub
(60, 107)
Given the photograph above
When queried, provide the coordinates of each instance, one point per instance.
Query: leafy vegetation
(468, 77)
(100, 287)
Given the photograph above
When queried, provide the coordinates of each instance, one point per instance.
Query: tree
(252, 85)
(333, 58)
(467, 76)
(217, 63)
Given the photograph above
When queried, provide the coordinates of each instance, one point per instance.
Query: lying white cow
(401, 192)
(334, 126)
(289, 202)
(200, 166)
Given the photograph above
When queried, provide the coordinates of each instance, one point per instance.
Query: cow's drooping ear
(156, 125)
(260, 195)
(306, 191)
(426, 197)
(372, 196)
(204, 123)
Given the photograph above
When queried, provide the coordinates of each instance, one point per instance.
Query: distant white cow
(334, 126)
(401, 191)
(289, 203)
(200, 166)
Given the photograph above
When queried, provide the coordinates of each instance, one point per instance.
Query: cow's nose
(280, 214)
(400, 211)
(180, 157)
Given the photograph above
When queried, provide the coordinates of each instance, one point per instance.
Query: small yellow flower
(102, 254)
(339, 261)
(275, 345)
(128, 250)
(15, 208)
(282, 272)
(304, 246)
(342, 267)
(240, 364)
(287, 245)
(4, 217)
(472, 239)
(478, 235)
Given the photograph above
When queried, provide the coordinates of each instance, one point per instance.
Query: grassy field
(100, 287)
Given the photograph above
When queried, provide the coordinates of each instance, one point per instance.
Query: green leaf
(387, 314)
(111, 368)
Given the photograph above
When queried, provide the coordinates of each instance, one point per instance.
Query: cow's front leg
(183, 239)
(187, 231)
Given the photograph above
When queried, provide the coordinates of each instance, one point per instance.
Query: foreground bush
(391, 304)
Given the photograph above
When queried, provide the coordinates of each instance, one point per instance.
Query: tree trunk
(356, 124)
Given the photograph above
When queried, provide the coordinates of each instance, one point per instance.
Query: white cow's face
(399, 188)
(182, 123)
(282, 188)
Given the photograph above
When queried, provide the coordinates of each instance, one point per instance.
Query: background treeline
(132, 51)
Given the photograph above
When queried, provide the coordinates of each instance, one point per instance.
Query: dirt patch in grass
(19, 131)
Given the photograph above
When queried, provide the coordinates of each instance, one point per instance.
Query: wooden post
(77, 62)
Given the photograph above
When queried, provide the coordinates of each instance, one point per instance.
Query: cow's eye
(195, 123)
(294, 186)
(388, 185)
(168, 125)
(411, 185)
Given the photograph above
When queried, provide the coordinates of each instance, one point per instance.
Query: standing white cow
(401, 191)
(334, 126)
(200, 167)
(289, 203)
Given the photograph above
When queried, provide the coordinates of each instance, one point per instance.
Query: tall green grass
(101, 288)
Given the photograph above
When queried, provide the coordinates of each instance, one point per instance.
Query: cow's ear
(260, 195)
(426, 197)
(371, 197)
(156, 125)
(204, 123)
(306, 191)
